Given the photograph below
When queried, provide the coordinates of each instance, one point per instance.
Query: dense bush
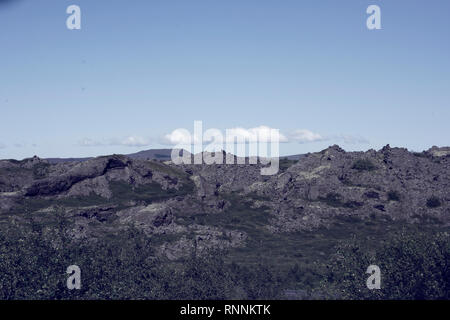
(433, 202)
(33, 265)
(335, 200)
(413, 265)
(364, 165)
(372, 195)
(393, 195)
(209, 277)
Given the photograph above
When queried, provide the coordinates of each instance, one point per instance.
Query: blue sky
(137, 70)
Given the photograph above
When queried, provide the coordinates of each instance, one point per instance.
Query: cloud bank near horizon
(257, 134)
(130, 141)
(236, 135)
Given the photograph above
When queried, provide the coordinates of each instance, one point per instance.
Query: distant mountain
(152, 154)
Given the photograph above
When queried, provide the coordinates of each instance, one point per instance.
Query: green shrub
(393, 195)
(372, 195)
(433, 202)
(333, 199)
(420, 154)
(286, 163)
(36, 261)
(33, 263)
(364, 165)
(413, 265)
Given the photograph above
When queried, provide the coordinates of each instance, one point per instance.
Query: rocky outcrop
(154, 218)
(94, 176)
(199, 207)
(15, 175)
(91, 169)
(200, 239)
(392, 182)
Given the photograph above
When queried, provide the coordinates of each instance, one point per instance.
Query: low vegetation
(285, 163)
(335, 200)
(414, 264)
(364, 165)
(393, 195)
(33, 264)
(433, 202)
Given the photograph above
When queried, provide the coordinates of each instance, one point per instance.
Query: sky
(138, 70)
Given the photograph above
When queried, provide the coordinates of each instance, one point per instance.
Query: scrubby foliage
(364, 165)
(34, 259)
(33, 265)
(393, 195)
(433, 202)
(413, 265)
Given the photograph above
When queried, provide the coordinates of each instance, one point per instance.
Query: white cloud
(252, 135)
(18, 145)
(130, 141)
(180, 137)
(86, 142)
(350, 139)
(305, 136)
(262, 134)
(238, 134)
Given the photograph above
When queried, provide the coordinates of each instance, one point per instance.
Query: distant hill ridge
(151, 154)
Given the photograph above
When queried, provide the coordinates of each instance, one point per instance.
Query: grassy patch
(169, 170)
(308, 249)
(332, 199)
(123, 193)
(240, 216)
(28, 205)
(82, 201)
(148, 193)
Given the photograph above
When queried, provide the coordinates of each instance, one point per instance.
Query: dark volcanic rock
(163, 198)
(337, 183)
(85, 170)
